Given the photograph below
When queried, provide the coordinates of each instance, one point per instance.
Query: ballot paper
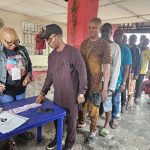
(24, 108)
(10, 121)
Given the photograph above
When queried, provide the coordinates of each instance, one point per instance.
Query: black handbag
(95, 98)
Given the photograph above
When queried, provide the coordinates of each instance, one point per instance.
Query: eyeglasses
(93, 27)
(50, 38)
(12, 43)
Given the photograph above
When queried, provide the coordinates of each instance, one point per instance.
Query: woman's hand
(2, 87)
(26, 81)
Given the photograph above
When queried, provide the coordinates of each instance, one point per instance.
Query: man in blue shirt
(126, 61)
(134, 69)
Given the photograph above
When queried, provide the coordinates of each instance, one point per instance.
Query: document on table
(10, 121)
(24, 108)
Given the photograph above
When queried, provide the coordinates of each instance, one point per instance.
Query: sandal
(104, 132)
(10, 145)
(26, 136)
(114, 124)
(128, 108)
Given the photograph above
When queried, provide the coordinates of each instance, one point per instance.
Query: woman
(15, 71)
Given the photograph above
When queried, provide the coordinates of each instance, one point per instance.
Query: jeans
(115, 103)
(8, 98)
(138, 87)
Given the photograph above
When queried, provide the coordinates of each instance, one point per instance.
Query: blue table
(37, 119)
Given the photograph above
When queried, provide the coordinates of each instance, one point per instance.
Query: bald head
(119, 31)
(142, 38)
(118, 36)
(132, 39)
(145, 42)
(124, 41)
(8, 34)
(8, 37)
(96, 20)
(94, 28)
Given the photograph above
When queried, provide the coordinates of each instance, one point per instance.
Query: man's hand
(2, 87)
(40, 98)
(104, 95)
(135, 77)
(122, 87)
(80, 99)
(26, 80)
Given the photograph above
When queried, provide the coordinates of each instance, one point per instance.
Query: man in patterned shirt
(97, 56)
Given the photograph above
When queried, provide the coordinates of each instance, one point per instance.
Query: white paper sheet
(16, 74)
(10, 121)
(24, 108)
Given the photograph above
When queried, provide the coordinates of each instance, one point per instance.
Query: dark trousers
(71, 126)
(101, 110)
(138, 87)
(123, 98)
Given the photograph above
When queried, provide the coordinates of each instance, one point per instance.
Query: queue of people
(103, 77)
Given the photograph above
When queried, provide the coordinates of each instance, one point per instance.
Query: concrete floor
(132, 134)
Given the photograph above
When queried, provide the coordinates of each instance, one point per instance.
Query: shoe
(51, 145)
(10, 145)
(114, 124)
(27, 135)
(118, 117)
(128, 106)
(137, 101)
(81, 125)
(90, 138)
(123, 109)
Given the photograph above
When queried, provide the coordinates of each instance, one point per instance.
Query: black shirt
(13, 87)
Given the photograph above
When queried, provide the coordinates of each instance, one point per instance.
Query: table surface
(35, 119)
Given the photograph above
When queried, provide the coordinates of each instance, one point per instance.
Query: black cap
(51, 29)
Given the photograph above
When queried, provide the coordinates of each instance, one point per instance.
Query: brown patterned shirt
(95, 53)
